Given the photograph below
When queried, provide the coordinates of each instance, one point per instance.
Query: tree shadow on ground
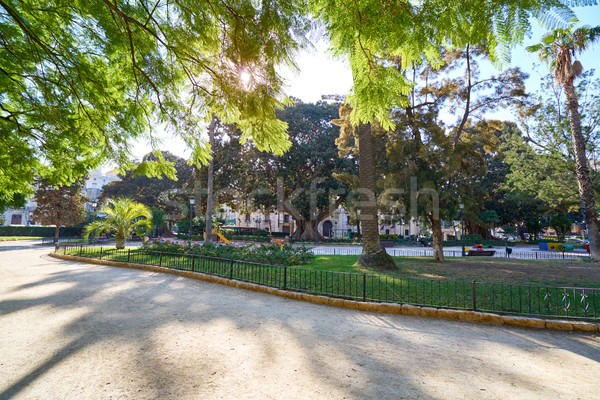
(177, 337)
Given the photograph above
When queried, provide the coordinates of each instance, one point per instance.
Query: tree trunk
(209, 194)
(358, 232)
(56, 233)
(120, 242)
(373, 254)
(305, 230)
(586, 192)
(438, 237)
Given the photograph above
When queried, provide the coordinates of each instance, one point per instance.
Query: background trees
(62, 205)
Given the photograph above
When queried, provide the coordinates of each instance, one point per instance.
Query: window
(347, 219)
(247, 218)
(286, 219)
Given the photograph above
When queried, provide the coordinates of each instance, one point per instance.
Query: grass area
(7, 238)
(500, 270)
(417, 281)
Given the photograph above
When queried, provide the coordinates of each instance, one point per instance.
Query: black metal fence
(523, 255)
(530, 300)
(50, 240)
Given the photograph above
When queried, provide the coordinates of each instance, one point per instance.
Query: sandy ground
(70, 330)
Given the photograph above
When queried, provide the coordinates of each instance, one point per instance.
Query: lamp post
(192, 201)
(462, 227)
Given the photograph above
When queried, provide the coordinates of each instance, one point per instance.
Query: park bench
(475, 253)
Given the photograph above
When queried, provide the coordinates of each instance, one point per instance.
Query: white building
(337, 225)
(95, 183)
(20, 216)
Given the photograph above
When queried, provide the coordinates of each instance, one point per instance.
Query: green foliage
(383, 39)
(490, 217)
(541, 157)
(561, 223)
(37, 231)
(123, 218)
(80, 82)
(159, 220)
(559, 47)
(14, 200)
(154, 191)
(183, 226)
(265, 253)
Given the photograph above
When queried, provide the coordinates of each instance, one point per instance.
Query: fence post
(128, 254)
(285, 277)
(536, 255)
(80, 250)
(364, 286)
(160, 259)
(231, 269)
(474, 295)
(193, 261)
(101, 252)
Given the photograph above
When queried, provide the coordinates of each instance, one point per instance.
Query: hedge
(46, 231)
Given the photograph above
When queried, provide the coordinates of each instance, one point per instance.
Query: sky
(319, 74)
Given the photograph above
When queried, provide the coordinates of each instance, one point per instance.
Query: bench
(388, 243)
(475, 253)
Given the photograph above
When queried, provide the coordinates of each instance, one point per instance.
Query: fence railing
(524, 255)
(539, 301)
(50, 240)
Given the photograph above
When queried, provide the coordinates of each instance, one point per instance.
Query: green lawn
(502, 270)
(7, 238)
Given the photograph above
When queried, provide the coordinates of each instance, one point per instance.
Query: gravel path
(70, 330)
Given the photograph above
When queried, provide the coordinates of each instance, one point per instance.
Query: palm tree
(124, 217)
(559, 49)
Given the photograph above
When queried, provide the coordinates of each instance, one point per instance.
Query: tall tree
(381, 40)
(359, 139)
(60, 206)
(302, 182)
(559, 49)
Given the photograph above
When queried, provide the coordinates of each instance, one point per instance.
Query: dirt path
(75, 331)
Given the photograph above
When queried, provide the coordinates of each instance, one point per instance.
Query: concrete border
(388, 308)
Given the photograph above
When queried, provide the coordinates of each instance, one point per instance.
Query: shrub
(264, 253)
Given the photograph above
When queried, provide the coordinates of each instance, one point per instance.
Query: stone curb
(387, 308)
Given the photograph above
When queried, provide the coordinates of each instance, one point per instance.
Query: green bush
(388, 237)
(264, 253)
(45, 231)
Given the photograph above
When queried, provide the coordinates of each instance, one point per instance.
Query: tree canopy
(81, 80)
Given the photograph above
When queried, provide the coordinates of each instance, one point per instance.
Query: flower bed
(264, 253)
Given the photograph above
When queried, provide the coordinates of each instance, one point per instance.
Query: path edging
(388, 308)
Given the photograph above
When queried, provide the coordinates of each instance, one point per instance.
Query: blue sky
(321, 74)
